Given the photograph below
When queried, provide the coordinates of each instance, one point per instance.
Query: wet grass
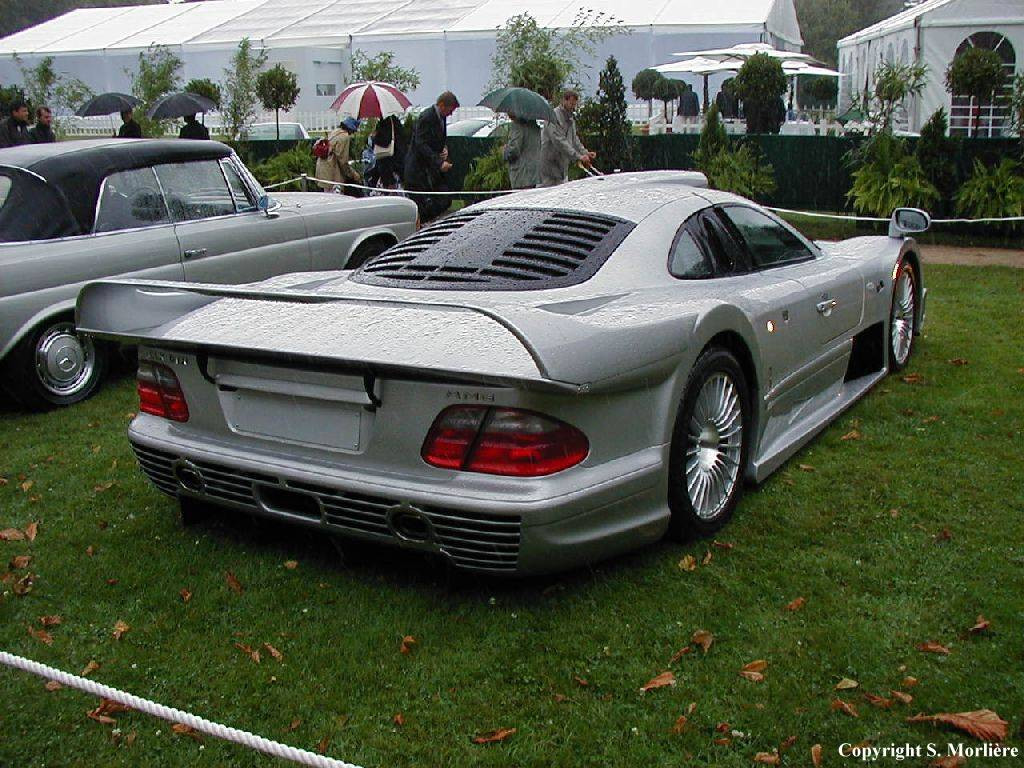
(860, 537)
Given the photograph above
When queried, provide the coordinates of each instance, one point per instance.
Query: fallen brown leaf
(31, 530)
(185, 595)
(398, 719)
(91, 667)
(19, 561)
(680, 653)
(50, 621)
(660, 681)
(40, 634)
(704, 639)
(492, 737)
(26, 486)
(120, 628)
(982, 724)
(797, 604)
(723, 741)
(900, 696)
(722, 544)
(581, 682)
(103, 713)
(909, 682)
(407, 643)
(291, 565)
(11, 534)
(24, 585)
(293, 725)
(233, 583)
(816, 755)
(252, 653)
(805, 467)
(278, 656)
(754, 671)
(949, 761)
(52, 685)
(944, 535)
(853, 434)
(322, 745)
(958, 361)
(722, 727)
(688, 564)
(787, 744)
(980, 625)
(838, 705)
(932, 647)
(90, 550)
(878, 701)
(846, 684)
(913, 378)
(180, 729)
(680, 725)
(767, 758)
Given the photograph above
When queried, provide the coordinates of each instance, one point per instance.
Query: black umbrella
(107, 104)
(179, 105)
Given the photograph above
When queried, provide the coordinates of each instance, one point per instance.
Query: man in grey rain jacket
(560, 145)
(522, 152)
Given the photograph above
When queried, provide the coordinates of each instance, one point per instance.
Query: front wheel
(371, 249)
(902, 318)
(55, 366)
(709, 446)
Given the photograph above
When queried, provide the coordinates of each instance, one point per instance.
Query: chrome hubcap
(902, 324)
(714, 445)
(64, 361)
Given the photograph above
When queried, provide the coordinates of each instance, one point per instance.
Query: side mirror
(907, 221)
(268, 205)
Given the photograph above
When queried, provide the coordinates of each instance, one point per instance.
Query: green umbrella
(521, 102)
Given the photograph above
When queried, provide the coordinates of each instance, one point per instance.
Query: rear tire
(371, 249)
(710, 440)
(54, 366)
(902, 318)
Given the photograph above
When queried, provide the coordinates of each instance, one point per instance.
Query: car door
(222, 235)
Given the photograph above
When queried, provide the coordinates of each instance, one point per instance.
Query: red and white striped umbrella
(371, 99)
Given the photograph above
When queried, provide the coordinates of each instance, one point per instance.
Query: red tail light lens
(160, 392)
(502, 441)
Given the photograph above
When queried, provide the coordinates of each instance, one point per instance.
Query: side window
(725, 252)
(768, 243)
(239, 192)
(128, 200)
(196, 190)
(688, 259)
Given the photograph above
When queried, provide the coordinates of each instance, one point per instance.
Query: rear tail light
(160, 392)
(502, 441)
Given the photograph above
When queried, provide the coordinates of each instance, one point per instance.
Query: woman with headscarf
(335, 167)
(388, 144)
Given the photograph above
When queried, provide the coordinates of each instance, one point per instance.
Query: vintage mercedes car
(532, 383)
(76, 211)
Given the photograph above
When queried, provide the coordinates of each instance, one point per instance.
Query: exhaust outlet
(188, 476)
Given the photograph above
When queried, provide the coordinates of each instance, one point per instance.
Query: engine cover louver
(500, 249)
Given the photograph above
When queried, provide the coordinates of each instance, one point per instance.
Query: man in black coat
(130, 129)
(42, 131)
(426, 161)
(193, 129)
(14, 130)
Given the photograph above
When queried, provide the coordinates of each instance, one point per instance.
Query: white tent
(449, 42)
(931, 33)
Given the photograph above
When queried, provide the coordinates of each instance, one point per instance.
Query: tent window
(988, 118)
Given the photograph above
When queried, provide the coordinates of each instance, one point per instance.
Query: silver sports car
(532, 383)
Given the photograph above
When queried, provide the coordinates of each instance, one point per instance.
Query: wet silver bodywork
(610, 356)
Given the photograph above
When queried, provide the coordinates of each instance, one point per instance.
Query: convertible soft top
(76, 169)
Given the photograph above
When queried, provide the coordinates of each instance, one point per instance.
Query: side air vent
(500, 249)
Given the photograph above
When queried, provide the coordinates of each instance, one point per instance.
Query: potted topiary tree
(643, 87)
(760, 84)
(979, 74)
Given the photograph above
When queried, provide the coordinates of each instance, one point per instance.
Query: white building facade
(449, 42)
(932, 33)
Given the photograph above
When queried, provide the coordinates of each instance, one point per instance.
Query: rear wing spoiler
(321, 331)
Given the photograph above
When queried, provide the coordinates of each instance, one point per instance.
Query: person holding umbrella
(522, 152)
(193, 129)
(130, 128)
(335, 167)
(560, 145)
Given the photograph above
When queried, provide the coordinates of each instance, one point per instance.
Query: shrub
(612, 130)
(992, 192)
(889, 178)
(935, 152)
(742, 171)
(713, 139)
(488, 173)
(760, 84)
(286, 165)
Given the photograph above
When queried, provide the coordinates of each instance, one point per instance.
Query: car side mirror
(268, 205)
(907, 221)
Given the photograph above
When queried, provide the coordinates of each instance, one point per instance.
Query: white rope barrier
(199, 724)
(469, 193)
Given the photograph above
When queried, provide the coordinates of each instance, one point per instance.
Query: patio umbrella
(107, 104)
(746, 50)
(521, 102)
(371, 99)
(179, 105)
(700, 66)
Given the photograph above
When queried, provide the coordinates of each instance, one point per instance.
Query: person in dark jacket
(426, 161)
(389, 147)
(129, 129)
(42, 131)
(689, 105)
(14, 130)
(193, 129)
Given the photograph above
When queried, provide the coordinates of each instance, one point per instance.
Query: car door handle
(825, 307)
(194, 253)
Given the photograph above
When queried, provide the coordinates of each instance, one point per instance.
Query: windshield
(466, 127)
(269, 131)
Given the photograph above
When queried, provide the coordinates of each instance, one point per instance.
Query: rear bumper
(497, 535)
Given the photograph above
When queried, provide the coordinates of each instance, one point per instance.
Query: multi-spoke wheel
(55, 366)
(902, 318)
(709, 446)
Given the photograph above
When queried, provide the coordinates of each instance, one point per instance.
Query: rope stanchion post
(199, 724)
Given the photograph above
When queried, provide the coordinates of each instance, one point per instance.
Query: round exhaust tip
(410, 524)
(189, 477)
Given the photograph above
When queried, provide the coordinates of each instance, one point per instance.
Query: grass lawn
(854, 526)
